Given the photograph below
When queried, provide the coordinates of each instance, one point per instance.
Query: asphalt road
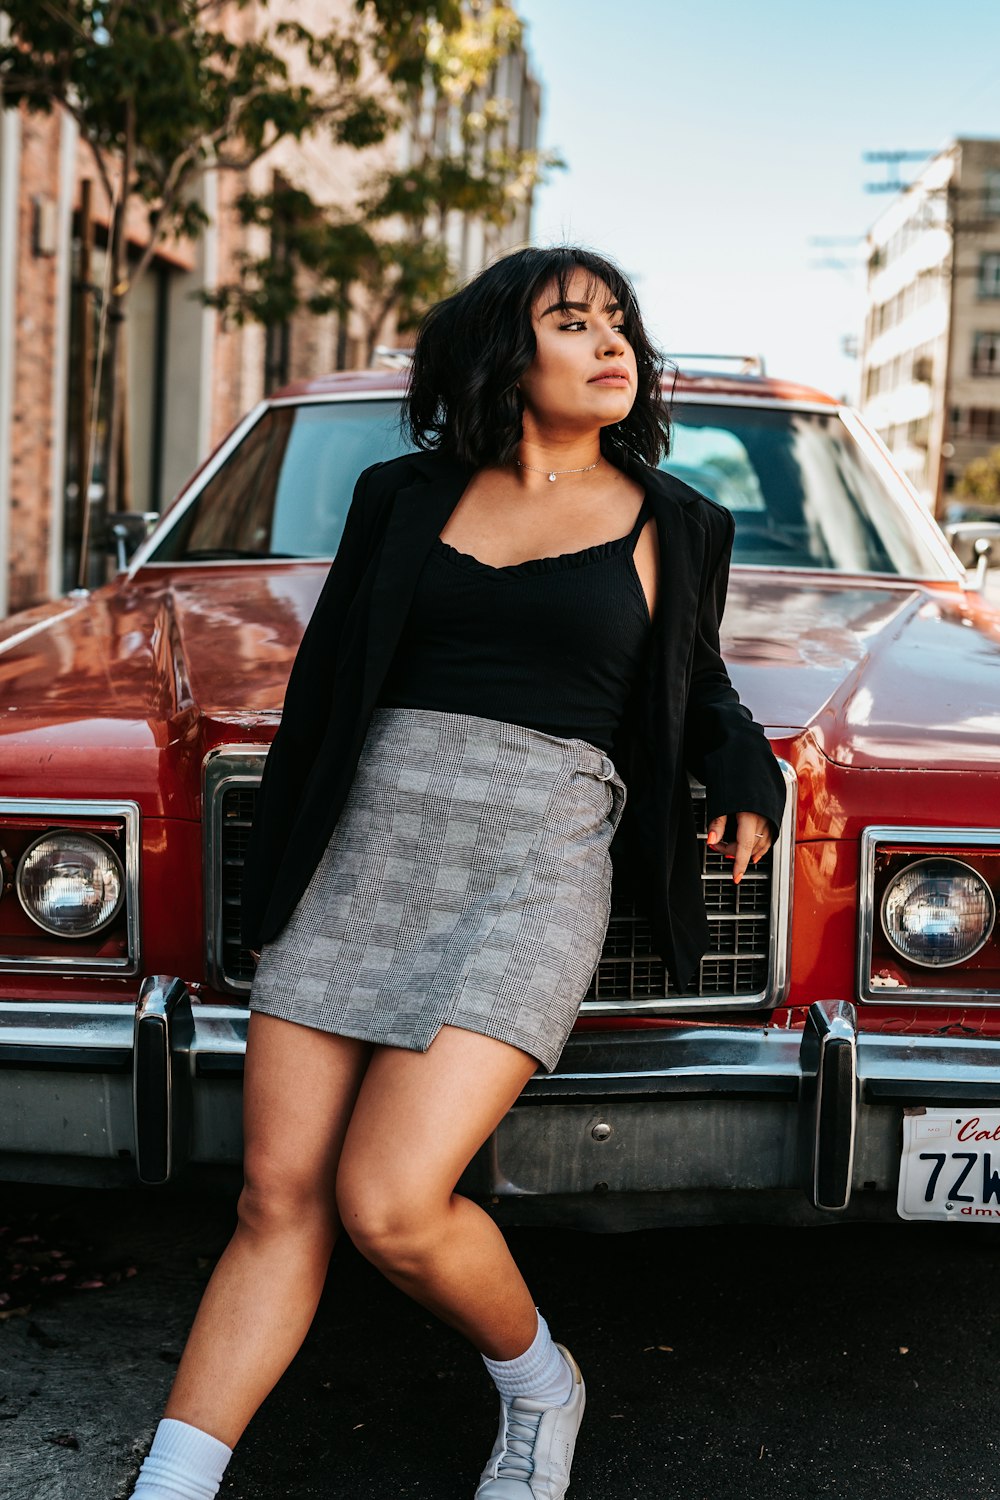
(737, 1364)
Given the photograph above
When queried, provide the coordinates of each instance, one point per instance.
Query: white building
(930, 374)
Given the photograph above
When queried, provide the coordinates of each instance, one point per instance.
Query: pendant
(553, 478)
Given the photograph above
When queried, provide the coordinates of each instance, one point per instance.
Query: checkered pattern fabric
(467, 882)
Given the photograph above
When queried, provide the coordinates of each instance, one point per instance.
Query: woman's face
(575, 345)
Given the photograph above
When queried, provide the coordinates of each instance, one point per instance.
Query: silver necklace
(553, 472)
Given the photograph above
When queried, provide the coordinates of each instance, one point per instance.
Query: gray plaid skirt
(467, 882)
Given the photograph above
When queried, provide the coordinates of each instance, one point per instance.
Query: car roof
(689, 383)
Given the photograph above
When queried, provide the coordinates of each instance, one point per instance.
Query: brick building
(189, 377)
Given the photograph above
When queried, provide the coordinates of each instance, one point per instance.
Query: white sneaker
(533, 1452)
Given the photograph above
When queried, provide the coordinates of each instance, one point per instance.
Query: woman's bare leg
(418, 1120)
(299, 1087)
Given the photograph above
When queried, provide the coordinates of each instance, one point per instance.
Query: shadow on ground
(749, 1364)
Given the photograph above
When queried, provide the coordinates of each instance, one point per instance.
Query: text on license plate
(950, 1167)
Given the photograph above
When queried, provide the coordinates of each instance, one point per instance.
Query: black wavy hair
(473, 347)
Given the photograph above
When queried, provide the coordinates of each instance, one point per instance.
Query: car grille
(237, 815)
(631, 975)
(739, 923)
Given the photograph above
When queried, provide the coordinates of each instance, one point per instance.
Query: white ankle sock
(184, 1463)
(540, 1372)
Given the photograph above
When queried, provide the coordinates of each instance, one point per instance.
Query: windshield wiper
(207, 554)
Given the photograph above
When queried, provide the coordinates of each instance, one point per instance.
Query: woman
(515, 609)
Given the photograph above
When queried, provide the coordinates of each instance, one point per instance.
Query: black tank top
(553, 643)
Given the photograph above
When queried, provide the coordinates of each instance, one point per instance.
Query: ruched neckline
(594, 553)
(585, 555)
(493, 641)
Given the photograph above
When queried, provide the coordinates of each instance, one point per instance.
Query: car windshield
(803, 492)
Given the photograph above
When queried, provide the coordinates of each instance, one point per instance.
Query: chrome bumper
(696, 1124)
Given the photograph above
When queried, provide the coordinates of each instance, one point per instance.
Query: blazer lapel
(681, 540)
(651, 735)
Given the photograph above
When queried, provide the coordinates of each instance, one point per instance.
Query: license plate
(950, 1167)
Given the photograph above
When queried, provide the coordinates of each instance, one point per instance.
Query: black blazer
(683, 714)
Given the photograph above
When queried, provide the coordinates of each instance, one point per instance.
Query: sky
(708, 144)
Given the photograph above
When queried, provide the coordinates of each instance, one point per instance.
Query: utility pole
(892, 184)
(951, 221)
(85, 372)
(848, 269)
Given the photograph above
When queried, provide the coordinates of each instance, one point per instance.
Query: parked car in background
(842, 1053)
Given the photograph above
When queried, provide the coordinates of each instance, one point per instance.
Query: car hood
(156, 669)
(161, 667)
(884, 674)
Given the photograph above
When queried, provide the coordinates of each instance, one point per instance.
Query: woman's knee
(393, 1226)
(275, 1200)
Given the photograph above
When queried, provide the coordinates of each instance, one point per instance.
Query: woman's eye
(581, 323)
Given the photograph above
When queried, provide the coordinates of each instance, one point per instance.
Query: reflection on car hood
(887, 675)
(158, 670)
(165, 665)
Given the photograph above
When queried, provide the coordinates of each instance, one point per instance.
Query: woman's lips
(609, 380)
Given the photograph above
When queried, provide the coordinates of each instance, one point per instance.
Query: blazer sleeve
(724, 746)
(305, 714)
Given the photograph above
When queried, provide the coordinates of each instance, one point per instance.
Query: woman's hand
(753, 839)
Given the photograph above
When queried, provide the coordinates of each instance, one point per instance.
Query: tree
(979, 481)
(322, 251)
(164, 89)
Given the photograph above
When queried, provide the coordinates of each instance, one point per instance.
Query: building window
(923, 367)
(989, 275)
(986, 354)
(984, 422)
(991, 192)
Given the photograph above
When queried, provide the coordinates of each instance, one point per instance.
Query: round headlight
(71, 884)
(937, 912)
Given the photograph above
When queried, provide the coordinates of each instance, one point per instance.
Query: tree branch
(95, 149)
(58, 14)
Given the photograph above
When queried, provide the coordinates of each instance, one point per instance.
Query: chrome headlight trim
(960, 866)
(917, 839)
(59, 812)
(54, 837)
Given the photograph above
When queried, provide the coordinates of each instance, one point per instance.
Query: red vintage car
(842, 1054)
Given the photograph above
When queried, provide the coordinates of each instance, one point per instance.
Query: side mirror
(973, 542)
(983, 548)
(125, 530)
